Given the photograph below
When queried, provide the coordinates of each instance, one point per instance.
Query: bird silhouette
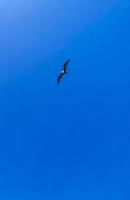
(63, 71)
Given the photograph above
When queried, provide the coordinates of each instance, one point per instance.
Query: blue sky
(71, 141)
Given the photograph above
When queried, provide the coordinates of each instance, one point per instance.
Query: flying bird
(63, 71)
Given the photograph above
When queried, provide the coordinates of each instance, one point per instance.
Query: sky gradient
(70, 141)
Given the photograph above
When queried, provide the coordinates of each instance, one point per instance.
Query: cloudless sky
(70, 141)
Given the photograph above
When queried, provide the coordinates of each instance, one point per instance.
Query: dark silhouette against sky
(67, 142)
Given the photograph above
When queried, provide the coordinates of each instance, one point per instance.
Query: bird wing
(59, 78)
(65, 65)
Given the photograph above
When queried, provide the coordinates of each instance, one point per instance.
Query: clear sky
(70, 141)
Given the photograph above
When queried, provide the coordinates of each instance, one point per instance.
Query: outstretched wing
(65, 65)
(59, 78)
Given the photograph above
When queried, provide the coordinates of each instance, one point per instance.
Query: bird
(63, 71)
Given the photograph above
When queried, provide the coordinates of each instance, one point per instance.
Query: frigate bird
(63, 71)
